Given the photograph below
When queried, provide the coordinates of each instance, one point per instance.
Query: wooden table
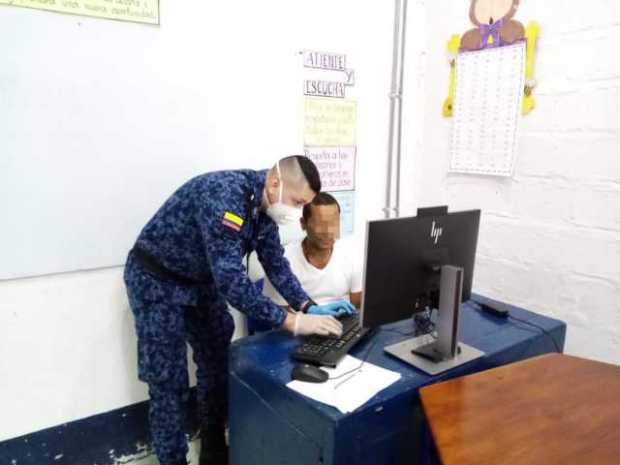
(551, 409)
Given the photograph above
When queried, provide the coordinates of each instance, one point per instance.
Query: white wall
(68, 350)
(550, 236)
(67, 345)
(109, 116)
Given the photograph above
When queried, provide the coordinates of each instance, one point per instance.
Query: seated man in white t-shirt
(326, 267)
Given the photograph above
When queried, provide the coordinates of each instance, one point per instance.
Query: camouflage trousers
(167, 317)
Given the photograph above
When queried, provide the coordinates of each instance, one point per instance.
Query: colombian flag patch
(232, 221)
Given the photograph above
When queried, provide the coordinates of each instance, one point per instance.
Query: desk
(552, 409)
(271, 424)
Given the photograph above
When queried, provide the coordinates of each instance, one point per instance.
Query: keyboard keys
(328, 351)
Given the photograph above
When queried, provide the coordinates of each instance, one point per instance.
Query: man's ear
(274, 181)
(302, 222)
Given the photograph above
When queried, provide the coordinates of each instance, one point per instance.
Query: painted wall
(550, 236)
(67, 345)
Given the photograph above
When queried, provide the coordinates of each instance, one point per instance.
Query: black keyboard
(327, 351)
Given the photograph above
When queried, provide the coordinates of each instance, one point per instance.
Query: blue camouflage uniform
(199, 238)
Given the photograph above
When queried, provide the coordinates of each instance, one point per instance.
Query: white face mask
(281, 213)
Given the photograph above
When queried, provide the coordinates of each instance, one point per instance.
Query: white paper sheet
(352, 390)
(487, 109)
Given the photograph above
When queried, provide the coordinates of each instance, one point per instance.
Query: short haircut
(306, 166)
(322, 198)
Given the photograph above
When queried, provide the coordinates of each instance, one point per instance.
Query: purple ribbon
(491, 30)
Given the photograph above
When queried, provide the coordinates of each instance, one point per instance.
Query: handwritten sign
(140, 11)
(319, 88)
(330, 122)
(324, 60)
(346, 200)
(336, 166)
(350, 77)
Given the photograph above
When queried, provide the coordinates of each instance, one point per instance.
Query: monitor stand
(435, 356)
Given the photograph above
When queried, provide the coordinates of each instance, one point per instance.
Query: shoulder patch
(232, 221)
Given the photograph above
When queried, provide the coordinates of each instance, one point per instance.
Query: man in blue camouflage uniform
(187, 264)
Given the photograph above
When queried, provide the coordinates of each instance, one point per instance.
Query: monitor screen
(403, 261)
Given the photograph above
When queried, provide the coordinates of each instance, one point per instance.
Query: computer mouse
(309, 373)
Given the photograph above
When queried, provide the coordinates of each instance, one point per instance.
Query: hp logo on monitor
(436, 232)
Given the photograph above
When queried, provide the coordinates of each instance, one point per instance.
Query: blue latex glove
(333, 308)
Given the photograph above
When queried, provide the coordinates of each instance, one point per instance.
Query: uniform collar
(259, 188)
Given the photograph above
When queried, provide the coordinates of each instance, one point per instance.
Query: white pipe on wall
(392, 198)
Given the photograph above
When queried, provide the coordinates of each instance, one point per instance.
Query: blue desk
(271, 424)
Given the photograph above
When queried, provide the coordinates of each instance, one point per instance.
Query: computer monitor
(403, 263)
(432, 211)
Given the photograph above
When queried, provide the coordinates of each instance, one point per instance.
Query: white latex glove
(316, 324)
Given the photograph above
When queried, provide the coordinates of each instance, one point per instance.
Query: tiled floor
(151, 459)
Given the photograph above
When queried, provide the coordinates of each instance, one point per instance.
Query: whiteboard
(100, 121)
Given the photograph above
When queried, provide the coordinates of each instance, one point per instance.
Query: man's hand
(301, 324)
(332, 308)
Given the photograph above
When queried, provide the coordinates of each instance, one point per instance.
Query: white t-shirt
(341, 276)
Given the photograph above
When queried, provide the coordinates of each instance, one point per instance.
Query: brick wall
(550, 236)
